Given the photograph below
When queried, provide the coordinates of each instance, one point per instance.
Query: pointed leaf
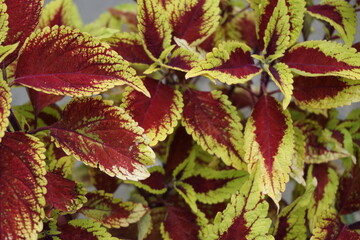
(281, 75)
(214, 124)
(330, 227)
(193, 20)
(60, 12)
(154, 27)
(103, 136)
(111, 212)
(23, 19)
(323, 58)
(183, 59)
(323, 196)
(22, 186)
(230, 63)
(129, 46)
(243, 218)
(339, 14)
(269, 144)
(41, 100)
(325, 92)
(159, 114)
(84, 229)
(154, 184)
(51, 62)
(5, 100)
(291, 222)
(102, 181)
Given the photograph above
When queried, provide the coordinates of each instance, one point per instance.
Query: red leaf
(41, 100)
(23, 19)
(102, 181)
(155, 183)
(327, 11)
(104, 136)
(22, 186)
(5, 100)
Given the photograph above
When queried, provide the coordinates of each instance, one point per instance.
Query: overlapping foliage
(220, 114)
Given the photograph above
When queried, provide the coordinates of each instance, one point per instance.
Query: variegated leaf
(214, 124)
(339, 14)
(298, 160)
(4, 23)
(283, 78)
(5, 100)
(23, 19)
(159, 114)
(63, 61)
(40, 100)
(245, 217)
(183, 59)
(323, 196)
(129, 46)
(22, 186)
(154, 184)
(84, 229)
(102, 181)
(323, 58)
(60, 12)
(154, 27)
(111, 212)
(230, 63)
(103, 136)
(269, 144)
(63, 194)
(291, 222)
(325, 92)
(193, 20)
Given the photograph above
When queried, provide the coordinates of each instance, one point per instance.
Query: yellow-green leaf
(5, 100)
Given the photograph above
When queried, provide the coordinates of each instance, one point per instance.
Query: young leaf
(330, 227)
(22, 186)
(325, 92)
(159, 114)
(60, 12)
(214, 124)
(269, 144)
(72, 63)
(243, 218)
(183, 59)
(63, 194)
(154, 27)
(111, 212)
(129, 46)
(23, 19)
(291, 222)
(298, 160)
(103, 136)
(84, 229)
(283, 78)
(5, 100)
(193, 20)
(230, 63)
(339, 14)
(40, 100)
(323, 58)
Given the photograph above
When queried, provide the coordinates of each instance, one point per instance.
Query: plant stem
(14, 122)
(38, 129)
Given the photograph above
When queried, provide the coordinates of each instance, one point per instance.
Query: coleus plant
(257, 101)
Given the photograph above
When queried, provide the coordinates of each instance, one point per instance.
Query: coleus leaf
(322, 198)
(40, 100)
(298, 160)
(111, 212)
(245, 217)
(84, 229)
(129, 46)
(291, 222)
(339, 14)
(60, 12)
(269, 144)
(159, 114)
(157, 216)
(103, 136)
(4, 23)
(323, 58)
(193, 20)
(154, 184)
(281, 74)
(230, 63)
(5, 100)
(62, 69)
(102, 181)
(214, 186)
(325, 91)
(214, 124)
(183, 59)
(29, 12)
(22, 186)
(154, 27)
(330, 227)
(63, 194)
